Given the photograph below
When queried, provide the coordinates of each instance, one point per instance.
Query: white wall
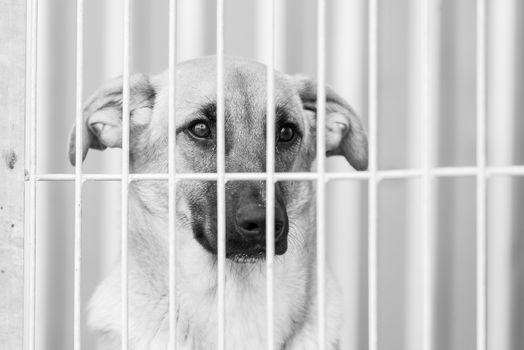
(400, 254)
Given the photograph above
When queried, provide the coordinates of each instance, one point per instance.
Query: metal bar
(373, 176)
(453, 172)
(505, 170)
(32, 64)
(426, 56)
(192, 177)
(514, 170)
(78, 173)
(125, 174)
(398, 174)
(321, 172)
(186, 177)
(172, 171)
(221, 180)
(270, 172)
(481, 96)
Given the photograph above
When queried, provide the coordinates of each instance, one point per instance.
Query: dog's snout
(246, 221)
(251, 221)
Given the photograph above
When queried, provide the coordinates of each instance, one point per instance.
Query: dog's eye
(287, 133)
(200, 130)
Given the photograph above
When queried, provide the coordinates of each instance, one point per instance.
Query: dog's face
(245, 140)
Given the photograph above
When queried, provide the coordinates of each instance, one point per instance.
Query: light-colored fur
(295, 297)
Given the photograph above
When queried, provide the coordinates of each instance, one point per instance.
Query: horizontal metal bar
(398, 173)
(454, 171)
(180, 177)
(515, 170)
(505, 170)
(363, 175)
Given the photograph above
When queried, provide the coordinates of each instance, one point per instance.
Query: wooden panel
(12, 107)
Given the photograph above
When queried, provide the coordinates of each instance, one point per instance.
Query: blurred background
(400, 144)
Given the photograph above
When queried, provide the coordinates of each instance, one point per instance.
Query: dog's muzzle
(245, 221)
(246, 242)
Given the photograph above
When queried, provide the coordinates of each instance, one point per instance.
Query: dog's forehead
(245, 88)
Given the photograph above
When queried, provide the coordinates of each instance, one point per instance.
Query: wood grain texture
(12, 109)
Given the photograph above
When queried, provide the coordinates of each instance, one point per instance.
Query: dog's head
(245, 132)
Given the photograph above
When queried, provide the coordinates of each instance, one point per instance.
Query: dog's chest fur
(196, 280)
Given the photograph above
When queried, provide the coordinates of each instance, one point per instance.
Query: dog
(295, 321)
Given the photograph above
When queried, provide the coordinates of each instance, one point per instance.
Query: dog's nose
(251, 222)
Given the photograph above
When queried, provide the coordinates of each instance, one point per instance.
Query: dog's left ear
(345, 134)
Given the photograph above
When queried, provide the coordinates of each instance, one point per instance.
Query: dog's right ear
(103, 114)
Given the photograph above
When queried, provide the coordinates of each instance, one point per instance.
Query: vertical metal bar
(270, 171)
(125, 175)
(78, 171)
(503, 111)
(373, 179)
(481, 97)
(321, 178)
(221, 183)
(427, 55)
(172, 171)
(31, 66)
